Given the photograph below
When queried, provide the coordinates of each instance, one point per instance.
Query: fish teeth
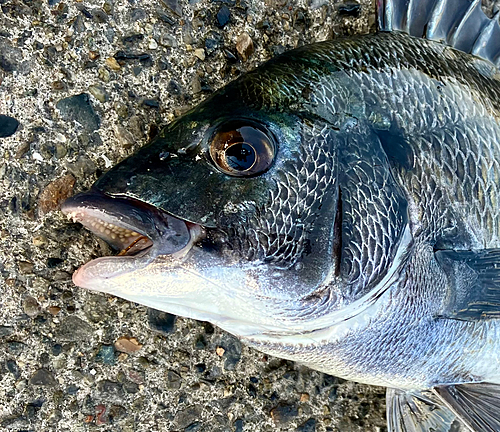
(103, 227)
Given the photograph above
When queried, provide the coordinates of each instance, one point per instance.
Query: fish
(337, 206)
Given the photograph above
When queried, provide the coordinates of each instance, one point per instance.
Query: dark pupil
(240, 156)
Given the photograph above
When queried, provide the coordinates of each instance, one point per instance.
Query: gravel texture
(83, 84)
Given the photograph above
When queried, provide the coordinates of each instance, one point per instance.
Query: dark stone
(8, 126)
(163, 64)
(56, 349)
(32, 408)
(209, 328)
(72, 390)
(174, 88)
(211, 44)
(10, 57)
(283, 413)
(84, 11)
(43, 377)
(151, 103)
(116, 412)
(255, 380)
(6, 331)
(129, 56)
(232, 351)
(333, 394)
(308, 426)
(74, 329)
(252, 391)
(193, 427)
(174, 6)
(350, 8)
(230, 56)
(130, 387)
(110, 388)
(223, 16)
(174, 380)
(15, 347)
(165, 17)
(162, 322)
(238, 425)
(201, 367)
(200, 342)
(79, 25)
(106, 355)
(132, 39)
(100, 16)
(54, 262)
(13, 368)
(137, 14)
(187, 416)
(78, 108)
(44, 358)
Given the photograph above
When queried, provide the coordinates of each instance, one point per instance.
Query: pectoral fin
(474, 279)
(477, 405)
(413, 411)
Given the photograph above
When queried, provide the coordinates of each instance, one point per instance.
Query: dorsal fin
(458, 23)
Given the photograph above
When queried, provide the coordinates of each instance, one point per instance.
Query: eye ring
(242, 148)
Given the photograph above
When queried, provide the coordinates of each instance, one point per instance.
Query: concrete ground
(89, 82)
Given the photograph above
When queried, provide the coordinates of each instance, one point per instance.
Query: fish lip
(143, 232)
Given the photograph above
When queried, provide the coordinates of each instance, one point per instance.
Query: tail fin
(458, 23)
(477, 405)
(413, 411)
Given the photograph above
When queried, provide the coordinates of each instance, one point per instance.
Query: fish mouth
(137, 231)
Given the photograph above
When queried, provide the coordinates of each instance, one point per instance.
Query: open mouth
(139, 232)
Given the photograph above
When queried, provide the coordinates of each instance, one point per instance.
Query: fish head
(232, 215)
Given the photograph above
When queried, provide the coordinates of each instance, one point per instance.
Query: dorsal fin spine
(459, 23)
(435, 18)
(475, 4)
(484, 36)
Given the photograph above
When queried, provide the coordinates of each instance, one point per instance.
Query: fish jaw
(141, 232)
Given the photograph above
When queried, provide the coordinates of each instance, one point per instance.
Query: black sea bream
(337, 206)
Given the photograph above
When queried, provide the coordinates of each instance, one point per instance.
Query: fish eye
(242, 149)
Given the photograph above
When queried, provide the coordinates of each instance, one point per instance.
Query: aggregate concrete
(87, 83)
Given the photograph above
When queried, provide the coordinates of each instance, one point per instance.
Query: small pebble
(55, 193)
(39, 240)
(308, 426)
(223, 16)
(152, 44)
(25, 267)
(174, 380)
(244, 46)
(127, 344)
(98, 92)
(113, 64)
(106, 355)
(73, 329)
(104, 74)
(31, 306)
(283, 413)
(79, 109)
(162, 322)
(200, 53)
(43, 377)
(8, 126)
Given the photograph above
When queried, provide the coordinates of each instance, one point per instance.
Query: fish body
(337, 206)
